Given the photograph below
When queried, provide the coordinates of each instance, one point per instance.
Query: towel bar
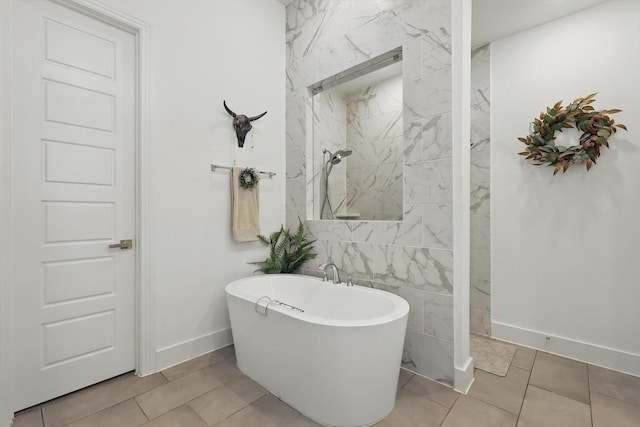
(214, 167)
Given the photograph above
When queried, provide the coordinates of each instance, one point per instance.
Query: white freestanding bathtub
(331, 351)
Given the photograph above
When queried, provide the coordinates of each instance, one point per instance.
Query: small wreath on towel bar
(596, 127)
(249, 178)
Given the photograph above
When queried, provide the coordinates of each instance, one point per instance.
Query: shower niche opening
(357, 146)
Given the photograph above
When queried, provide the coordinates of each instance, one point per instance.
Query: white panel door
(73, 148)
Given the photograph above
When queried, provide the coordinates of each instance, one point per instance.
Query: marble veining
(437, 223)
(480, 164)
(436, 137)
(413, 256)
(428, 95)
(438, 320)
(480, 296)
(431, 356)
(375, 170)
(423, 268)
(480, 292)
(428, 182)
(405, 232)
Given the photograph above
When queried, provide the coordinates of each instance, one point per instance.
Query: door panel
(80, 278)
(90, 52)
(93, 166)
(73, 147)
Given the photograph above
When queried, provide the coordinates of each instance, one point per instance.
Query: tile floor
(539, 390)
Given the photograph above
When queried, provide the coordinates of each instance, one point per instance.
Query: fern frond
(287, 251)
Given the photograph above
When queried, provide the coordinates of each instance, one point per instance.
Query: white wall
(566, 248)
(204, 52)
(6, 412)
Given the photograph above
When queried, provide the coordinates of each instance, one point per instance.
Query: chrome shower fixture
(335, 158)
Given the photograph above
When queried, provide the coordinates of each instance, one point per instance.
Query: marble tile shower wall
(374, 133)
(480, 276)
(330, 132)
(412, 257)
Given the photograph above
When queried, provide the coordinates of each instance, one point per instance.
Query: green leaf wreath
(288, 251)
(596, 127)
(248, 178)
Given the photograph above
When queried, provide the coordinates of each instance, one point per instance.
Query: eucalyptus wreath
(596, 127)
(248, 178)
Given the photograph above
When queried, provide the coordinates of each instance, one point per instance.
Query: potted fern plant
(287, 251)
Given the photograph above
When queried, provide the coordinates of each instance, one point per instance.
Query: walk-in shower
(334, 159)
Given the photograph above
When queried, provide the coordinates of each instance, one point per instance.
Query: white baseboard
(183, 351)
(585, 352)
(464, 377)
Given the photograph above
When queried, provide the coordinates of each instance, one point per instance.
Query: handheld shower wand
(334, 159)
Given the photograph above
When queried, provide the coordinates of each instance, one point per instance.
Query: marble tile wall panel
(376, 99)
(480, 321)
(480, 280)
(429, 356)
(295, 123)
(427, 96)
(296, 190)
(480, 95)
(363, 12)
(413, 141)
(412, 59)
(364, 154)
(374, 131)
(330, 133)
(437, 222)
(436, 137)
(428, 182)
(421, 268)
(389, 178)
(291, 217)
(438, 315)
(390, 150)
(480, 249)
(329, 230)
(328, 36)
(296, 163)
(480, 171)
(354, 259)
(436, 51)
(405, 232)
(480, 296)
(415, 298)
(311, 23)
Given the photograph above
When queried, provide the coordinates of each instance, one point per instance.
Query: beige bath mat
(491, 356)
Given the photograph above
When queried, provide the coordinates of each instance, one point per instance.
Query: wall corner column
(461, 86)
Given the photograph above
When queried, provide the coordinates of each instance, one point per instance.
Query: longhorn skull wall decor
(241, 123)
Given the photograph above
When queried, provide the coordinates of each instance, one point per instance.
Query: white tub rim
(401, 306)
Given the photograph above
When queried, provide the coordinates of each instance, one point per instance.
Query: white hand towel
(245, 209)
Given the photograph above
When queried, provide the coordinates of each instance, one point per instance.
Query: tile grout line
(450, 409)
(222, 385)
(106, 409)
(526, 389)
(430, 400)
(607, 393)
(241, 409)
(140, 407)
(196, 412)
(427, 397)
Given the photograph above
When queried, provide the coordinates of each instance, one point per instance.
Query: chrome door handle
(124, 244)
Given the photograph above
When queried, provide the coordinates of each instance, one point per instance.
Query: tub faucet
(336, 275)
